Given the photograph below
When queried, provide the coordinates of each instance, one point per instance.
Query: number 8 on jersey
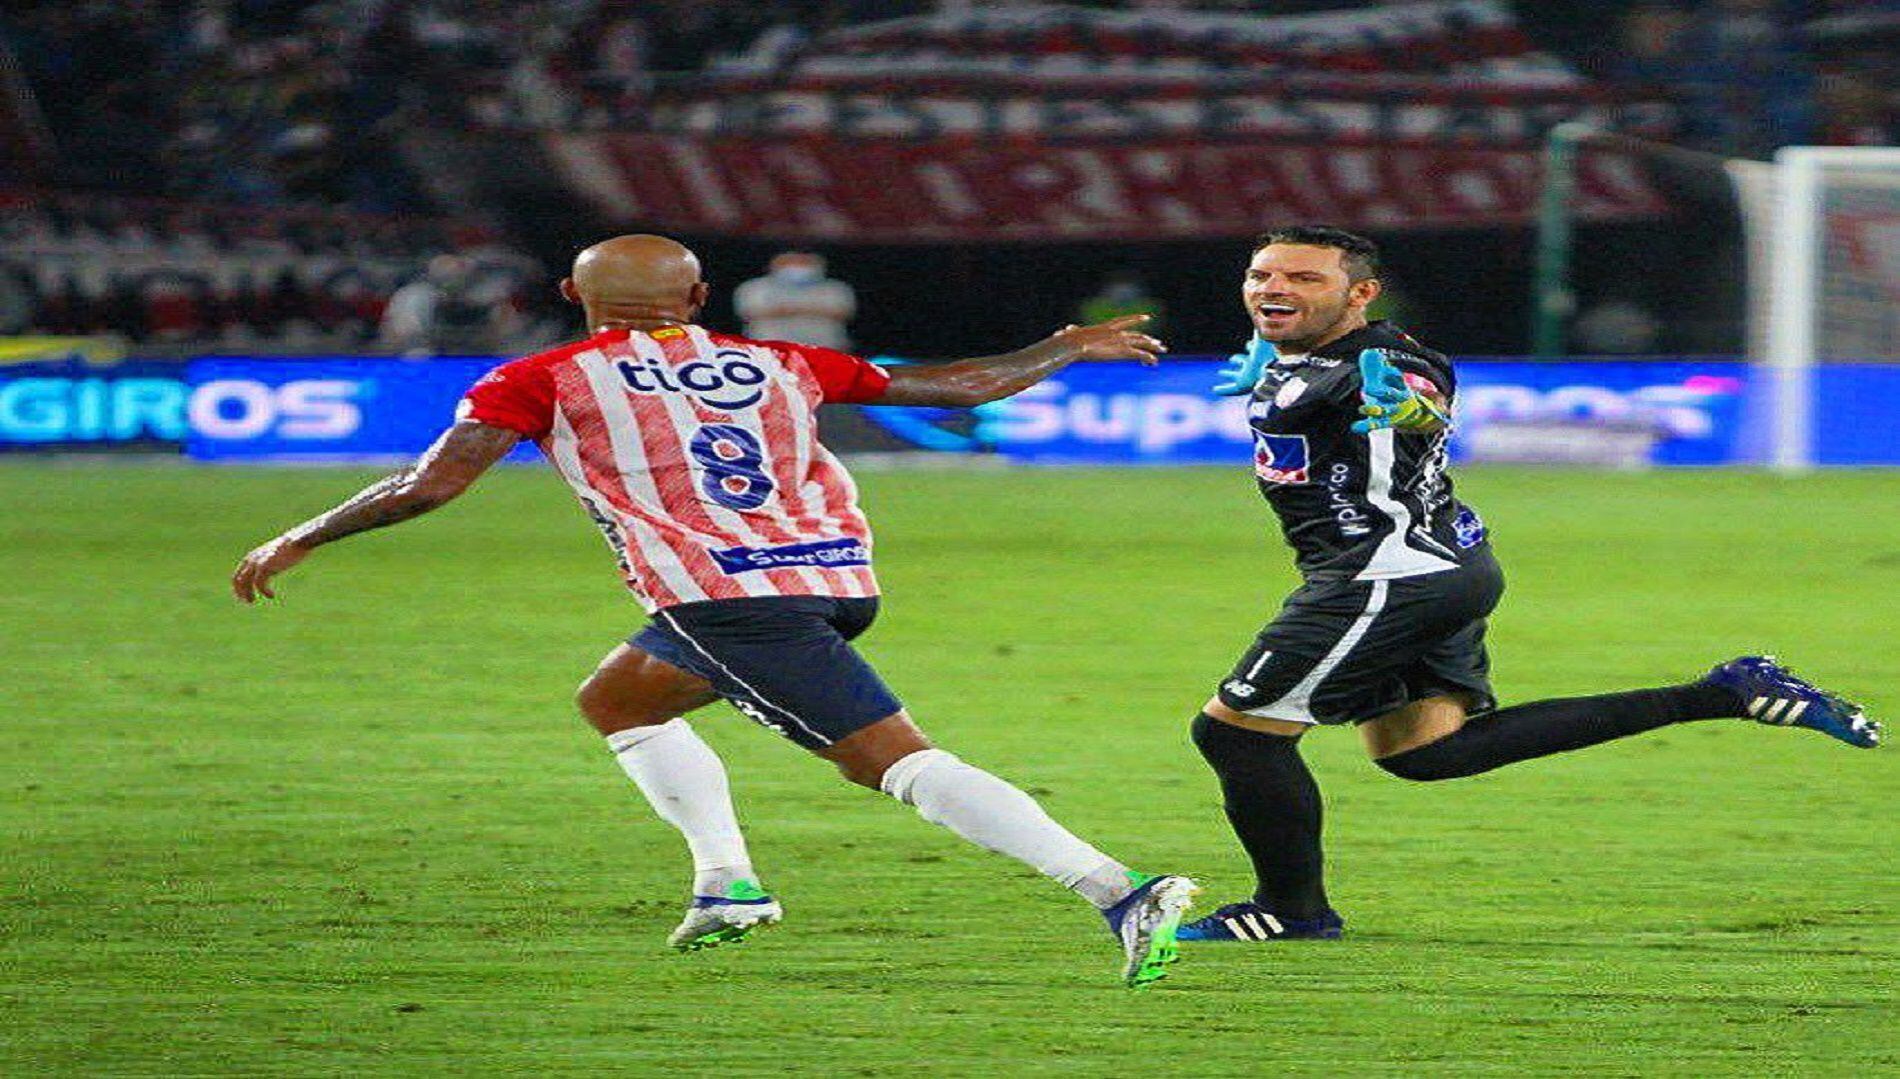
(731, 460)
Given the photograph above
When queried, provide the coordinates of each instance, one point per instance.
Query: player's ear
(568, 291)
(1364, 291)
(701, 292)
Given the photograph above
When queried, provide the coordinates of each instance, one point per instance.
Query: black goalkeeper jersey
(1352, 506)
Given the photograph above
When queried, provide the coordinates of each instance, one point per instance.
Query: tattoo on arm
(379, 504)
(976, 381)
(463, 453)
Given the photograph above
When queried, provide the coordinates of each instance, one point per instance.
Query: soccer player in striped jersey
(1387, 630)
(696, 453)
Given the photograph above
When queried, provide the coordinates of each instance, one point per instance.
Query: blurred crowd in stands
(200, 276)
(281, 104)
(1753, 75)
(283, 101)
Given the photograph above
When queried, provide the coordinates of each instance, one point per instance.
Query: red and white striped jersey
(697, 454)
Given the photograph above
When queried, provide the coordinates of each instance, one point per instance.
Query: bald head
(637, 278)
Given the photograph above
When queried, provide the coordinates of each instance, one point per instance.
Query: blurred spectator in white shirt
(795, 301)
(1615, 327)
(452, 310)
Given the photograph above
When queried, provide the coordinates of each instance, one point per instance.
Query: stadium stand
(290, 104)
(196, 275)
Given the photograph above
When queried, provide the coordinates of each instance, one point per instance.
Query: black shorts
(784, 661)
(1349, 651)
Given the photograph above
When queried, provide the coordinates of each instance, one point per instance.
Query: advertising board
(1699, 412)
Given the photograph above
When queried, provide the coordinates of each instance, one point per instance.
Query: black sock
(1274, 806)
(1538, 729)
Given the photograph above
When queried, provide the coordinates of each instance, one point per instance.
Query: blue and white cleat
(1772, 694)
(1253, 922)
(1145, 922)
(713, 920)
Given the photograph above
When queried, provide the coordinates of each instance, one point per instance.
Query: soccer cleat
(713, 920)
(1253, 922)
(1772, 694)
(1145, 921)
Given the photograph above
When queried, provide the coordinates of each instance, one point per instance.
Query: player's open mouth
(1277, 312)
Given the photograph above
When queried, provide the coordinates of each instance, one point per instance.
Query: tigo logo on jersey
(727, 385)
(1279, 458)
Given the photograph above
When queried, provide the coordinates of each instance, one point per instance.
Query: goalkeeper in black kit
(1350, 421)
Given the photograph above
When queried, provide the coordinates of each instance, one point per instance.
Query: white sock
(996, 816)
(686, 783)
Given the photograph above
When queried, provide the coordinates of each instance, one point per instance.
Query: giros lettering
(57, 409)
(320, 408)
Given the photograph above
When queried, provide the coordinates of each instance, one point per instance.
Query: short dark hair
(1359, 255)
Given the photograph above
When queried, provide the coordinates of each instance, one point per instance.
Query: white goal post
(1824, 274)
(1821, 236)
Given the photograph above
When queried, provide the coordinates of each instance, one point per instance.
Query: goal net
(1823, 228)
(1792, 264)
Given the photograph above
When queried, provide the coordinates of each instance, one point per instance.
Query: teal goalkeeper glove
(1244, 369)
(1388, 402)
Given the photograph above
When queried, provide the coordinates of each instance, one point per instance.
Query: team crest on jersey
(1468, 528)
(728, 382)
(1280, 458)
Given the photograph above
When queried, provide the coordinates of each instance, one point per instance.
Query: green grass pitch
(362, 832)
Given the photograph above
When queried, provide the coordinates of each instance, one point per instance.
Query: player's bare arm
(982, 379)
(444, 471)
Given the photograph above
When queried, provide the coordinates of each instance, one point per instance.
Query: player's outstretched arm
(444, 471)
(982, 379)
(1243, 369)
(1391, 398)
